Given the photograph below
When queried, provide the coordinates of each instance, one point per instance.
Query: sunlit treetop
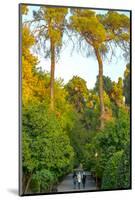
(28, 41)
(49, 27)
(86, 23)
(24, 9)
(98, 29)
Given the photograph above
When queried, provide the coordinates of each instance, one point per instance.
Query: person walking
(84, 179)
(79, 180)
(74, 179)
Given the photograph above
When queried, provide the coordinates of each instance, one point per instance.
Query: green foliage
(126, 84)
(117, 171)
(55, 18)
(113, 138)
(50, 29)
(110, 180)
(98, 30)
(115, 22)
(117, 93)
(90, 118)
(43, 181)
(77, 92)
(87, 25)
(40, 130)
(123, 172)
(117, 27)
(107, 84)
(79, 136)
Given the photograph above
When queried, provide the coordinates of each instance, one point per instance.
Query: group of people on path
(79, 178)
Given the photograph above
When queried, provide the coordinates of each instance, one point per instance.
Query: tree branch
(34, 20)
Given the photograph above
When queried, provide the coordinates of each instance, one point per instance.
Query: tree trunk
(102, 110)
(52, 74)
(27, 184)
(23, 182)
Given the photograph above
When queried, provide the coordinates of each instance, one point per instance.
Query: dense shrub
(45, 145)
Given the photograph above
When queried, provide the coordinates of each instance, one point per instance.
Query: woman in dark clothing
(83, 179)
(74, 179)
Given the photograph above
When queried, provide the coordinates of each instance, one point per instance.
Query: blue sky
(76, 64)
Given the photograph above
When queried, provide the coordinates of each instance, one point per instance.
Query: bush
(46, 147)
(110, 180)
(42, 181)
(114, 138)
(117, 171)
(123, 173)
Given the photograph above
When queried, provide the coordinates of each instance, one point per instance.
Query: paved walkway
(67, 184)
